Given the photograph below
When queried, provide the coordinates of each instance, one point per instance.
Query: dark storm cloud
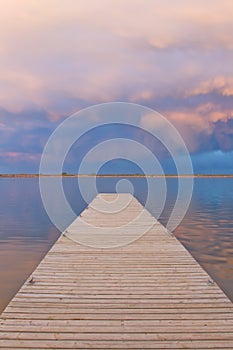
(223, 133)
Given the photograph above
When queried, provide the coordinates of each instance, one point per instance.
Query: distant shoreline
(117, 175)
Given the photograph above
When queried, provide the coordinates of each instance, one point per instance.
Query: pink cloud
(20, 156)
(99, 51)
(222, 84)
(199, 122)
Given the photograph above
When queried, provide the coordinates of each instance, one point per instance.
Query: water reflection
(207, 229)
(26, 232)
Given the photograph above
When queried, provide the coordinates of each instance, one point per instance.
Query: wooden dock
(150, 294)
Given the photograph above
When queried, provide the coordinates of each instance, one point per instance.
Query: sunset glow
(59, 56)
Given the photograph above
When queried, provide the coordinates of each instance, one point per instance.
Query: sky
(60, 56)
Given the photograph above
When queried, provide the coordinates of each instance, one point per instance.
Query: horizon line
(65, 174)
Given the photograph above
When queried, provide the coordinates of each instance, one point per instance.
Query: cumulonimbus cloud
(62, 56)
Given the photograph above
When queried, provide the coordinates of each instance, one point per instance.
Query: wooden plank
(150, 294)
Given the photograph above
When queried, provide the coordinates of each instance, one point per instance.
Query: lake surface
(26, 232)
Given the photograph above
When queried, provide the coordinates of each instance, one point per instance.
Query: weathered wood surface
(150, 294)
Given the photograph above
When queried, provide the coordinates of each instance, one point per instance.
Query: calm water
(26, 232)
